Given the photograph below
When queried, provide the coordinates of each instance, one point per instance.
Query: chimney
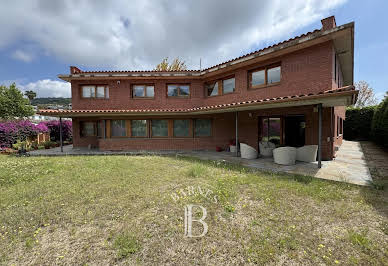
(74, 70)
(328, 23)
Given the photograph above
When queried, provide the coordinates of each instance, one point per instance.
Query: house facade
(293, 93)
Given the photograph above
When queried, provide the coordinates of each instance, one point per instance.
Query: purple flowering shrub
(53, 127)
(12, 131)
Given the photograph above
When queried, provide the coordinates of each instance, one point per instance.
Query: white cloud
(22, 56)
(48, 88)
(140, 34)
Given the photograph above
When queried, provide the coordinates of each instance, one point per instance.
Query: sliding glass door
(271, 130)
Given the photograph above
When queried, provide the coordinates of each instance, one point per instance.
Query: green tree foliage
(30, 95)
(380, 123)
(176, 65)
(357, 124)
(12, 103)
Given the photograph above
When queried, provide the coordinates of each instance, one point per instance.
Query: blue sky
(36, 47)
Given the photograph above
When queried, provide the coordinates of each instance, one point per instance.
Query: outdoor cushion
(307, 153)
(284, 155)
(266, 148)
(247, 152)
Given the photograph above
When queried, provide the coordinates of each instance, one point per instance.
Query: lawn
(130, 210)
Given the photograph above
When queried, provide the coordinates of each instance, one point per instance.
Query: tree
(366, 95)
(13, 104)
(176, 65)
(30, 95)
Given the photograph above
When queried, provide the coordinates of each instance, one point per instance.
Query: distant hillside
(51, 100)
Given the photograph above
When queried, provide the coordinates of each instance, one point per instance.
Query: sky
(42, 38)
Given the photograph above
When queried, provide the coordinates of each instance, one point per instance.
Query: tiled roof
(202, 108)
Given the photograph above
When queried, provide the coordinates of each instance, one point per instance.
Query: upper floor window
(220, 87)
(228, 85)
(176, 90)
(93, 91)
(143, 91)
(264, 76)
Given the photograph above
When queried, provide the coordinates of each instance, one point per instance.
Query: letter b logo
(189, 220)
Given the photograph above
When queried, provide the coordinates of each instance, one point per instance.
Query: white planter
(247, 152)
(232, 148)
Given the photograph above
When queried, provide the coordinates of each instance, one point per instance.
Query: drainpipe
(60, 133)
(319, 135)
(236, 134)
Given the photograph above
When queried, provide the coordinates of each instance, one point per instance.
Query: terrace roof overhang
(342, 37)
(337, 97)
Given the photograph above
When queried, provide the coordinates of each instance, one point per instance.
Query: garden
(129, 210)
(23, 135)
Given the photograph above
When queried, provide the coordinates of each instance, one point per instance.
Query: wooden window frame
(145, 91)
(191, 133)
(178, 84)
(106, 88)
(168, 129)
(265, 68)
(220, 83)
(94, 129)
(211, 128)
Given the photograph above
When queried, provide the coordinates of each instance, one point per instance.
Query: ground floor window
(139, 128)
(118, 128)
(101, 128)
(159, 128)
(202, 128)
(142, 128)
(88, 129)
(181, 128)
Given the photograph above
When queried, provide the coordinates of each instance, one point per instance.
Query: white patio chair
(247, 152)
(266, 148)
(284, 155)
(307, 153)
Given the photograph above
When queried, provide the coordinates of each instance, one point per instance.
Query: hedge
(380, 124)
(358, 123)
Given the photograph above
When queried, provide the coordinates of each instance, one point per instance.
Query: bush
(380, 124)
(53, 127)
(49, 144)
(358, 122)
(22, 130)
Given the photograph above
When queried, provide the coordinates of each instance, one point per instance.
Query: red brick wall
(305, 71)
(339, 111)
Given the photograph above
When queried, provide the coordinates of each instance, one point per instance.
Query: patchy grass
(125, 244)
(130, 210)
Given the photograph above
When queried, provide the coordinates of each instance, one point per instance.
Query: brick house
(290, 93)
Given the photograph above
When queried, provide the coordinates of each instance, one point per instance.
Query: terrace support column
(236, 134)
(319, 135)
(60, 133)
